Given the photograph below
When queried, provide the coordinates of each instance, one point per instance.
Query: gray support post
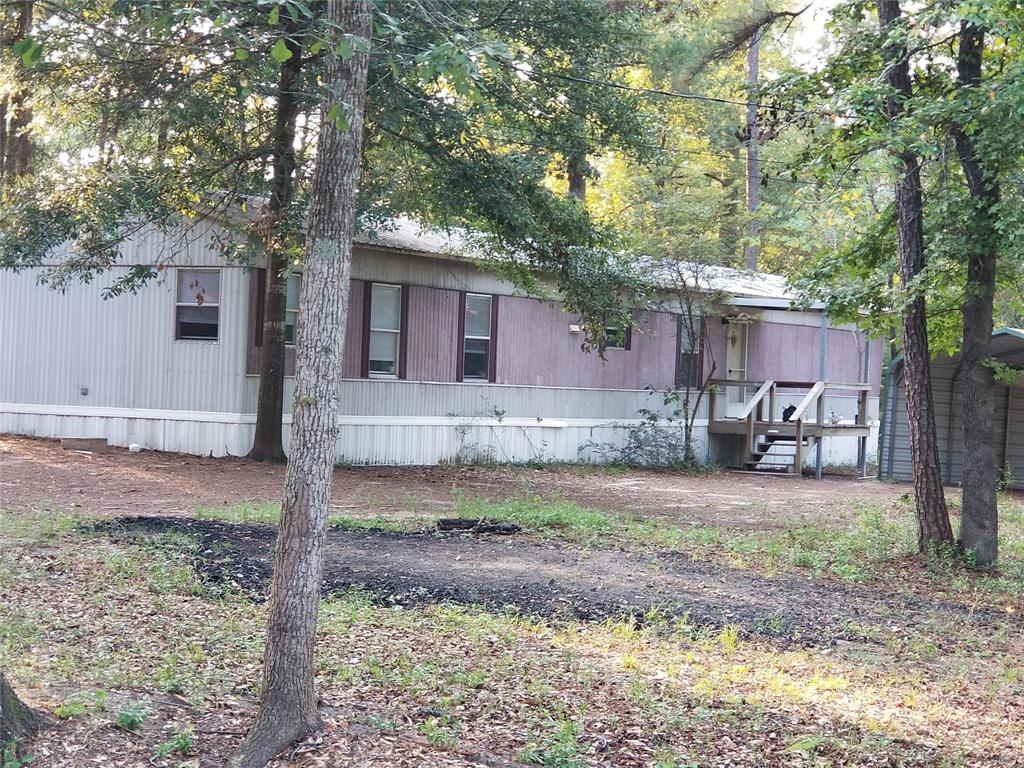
(823, 341)
(862, 442)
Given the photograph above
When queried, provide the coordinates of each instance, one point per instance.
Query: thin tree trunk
(577, 178)
(979, 513)
(267, 441)
(288, 710)
(752, 250)
(729, 229)
(932, 515)
(17, 720)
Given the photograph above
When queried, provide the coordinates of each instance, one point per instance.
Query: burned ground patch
(548, 580)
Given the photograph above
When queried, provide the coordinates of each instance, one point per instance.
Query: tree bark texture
(932, 515)
(751, 251)
(979, 512)
(288, 710)
(16, 114)
(577, 177)
(17, 720)
(267, 441)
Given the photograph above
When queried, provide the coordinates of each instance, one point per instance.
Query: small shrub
(180, 744)
(9, 758)
(132, 715)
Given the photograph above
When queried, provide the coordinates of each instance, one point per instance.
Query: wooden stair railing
(812, 397)
(756, 406)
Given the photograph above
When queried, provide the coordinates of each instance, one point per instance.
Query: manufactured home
(444, 361)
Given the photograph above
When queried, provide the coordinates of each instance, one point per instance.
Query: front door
(736, 368)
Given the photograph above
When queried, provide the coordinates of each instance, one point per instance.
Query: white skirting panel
(388, 440)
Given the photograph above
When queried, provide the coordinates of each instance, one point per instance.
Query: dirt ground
(117, 482)
(474, 649)
(503, 573)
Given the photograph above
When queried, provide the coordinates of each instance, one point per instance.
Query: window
(197, 305)
(616, 338)
(385, 330)
(688, 372)
(476, 342)
(293, 289)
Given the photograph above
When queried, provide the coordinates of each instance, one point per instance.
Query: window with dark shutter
(477, 352)
(385, 333)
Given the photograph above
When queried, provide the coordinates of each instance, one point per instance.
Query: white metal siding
(121, 350)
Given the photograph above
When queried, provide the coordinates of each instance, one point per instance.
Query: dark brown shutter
(364, 363)
(460, 347)
(260, 304)
(628, 343)
(403, 332)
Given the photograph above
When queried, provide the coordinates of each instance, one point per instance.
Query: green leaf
(345, 48)
(316, 47)
(337, 116)
(28, 50)
(281, 52)
(275, 15)
(241, 54)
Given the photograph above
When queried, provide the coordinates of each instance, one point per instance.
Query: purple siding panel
(535, 347)
(779, 351)
(713, 354)
(352, 360)
(432, 332)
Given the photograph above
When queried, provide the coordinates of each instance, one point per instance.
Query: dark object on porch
(17, 720)
(788, 412)
(481, 525)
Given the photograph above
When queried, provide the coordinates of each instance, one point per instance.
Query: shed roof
(1008, 346)
(410, 236)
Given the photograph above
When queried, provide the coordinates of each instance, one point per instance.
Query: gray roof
(1008, 346)
(407, 235)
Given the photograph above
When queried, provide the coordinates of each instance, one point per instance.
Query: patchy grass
(869, 546)
(879, 540)
(92, 633)
(267, 513)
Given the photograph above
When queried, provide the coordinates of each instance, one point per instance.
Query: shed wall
(947, 394)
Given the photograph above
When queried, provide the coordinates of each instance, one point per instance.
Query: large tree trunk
(933, 526)
(751, 251)
(15, 143)
(979, 513)
(267, 442)
(288, 710)
(17, 720)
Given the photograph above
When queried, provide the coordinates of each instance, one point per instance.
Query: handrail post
(771, 404)
(712, 402)
(798, 459)
(750, 433)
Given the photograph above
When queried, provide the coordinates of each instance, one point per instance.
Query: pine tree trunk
(288, 710)
(932, 515)
(979, 513)
(17, 144)
(267, 442)
(17, 720)
(751, 251)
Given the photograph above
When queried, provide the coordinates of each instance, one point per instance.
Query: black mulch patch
(547, 580)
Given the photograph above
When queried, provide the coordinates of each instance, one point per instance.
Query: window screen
(385, 329)
(476, 343)
(197, 304)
